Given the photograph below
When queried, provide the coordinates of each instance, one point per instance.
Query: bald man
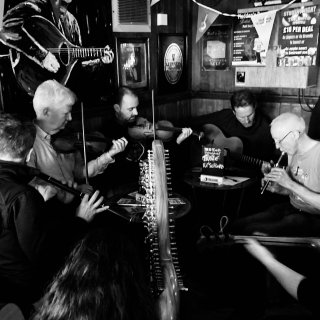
(300, 216)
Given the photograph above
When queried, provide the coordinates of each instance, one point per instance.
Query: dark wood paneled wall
(211, 90)
(207, 91)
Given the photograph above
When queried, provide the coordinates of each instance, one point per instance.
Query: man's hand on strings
(51, 63)
(186, 132)
(266, 167)
(108, 55)
(117, 146)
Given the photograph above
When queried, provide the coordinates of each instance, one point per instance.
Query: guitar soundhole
(64, 54)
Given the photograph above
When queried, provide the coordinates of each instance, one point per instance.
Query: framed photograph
(216, 52)
(172, 73)
(132, 62)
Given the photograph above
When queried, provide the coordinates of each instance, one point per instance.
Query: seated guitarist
(15, 35)
(244, 120)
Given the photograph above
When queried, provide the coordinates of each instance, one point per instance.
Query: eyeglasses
(282, 139)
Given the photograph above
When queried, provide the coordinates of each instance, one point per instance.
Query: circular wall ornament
(173, 63)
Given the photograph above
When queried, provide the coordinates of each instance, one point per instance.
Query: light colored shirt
(63, 166)
(305, 170)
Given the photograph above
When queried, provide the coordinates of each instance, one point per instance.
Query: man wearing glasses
(300, 216)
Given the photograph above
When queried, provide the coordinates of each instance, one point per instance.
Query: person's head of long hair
(101, 280)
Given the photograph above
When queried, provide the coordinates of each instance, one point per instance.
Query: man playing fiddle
(300, 181)
(123, 118)
(52, 104)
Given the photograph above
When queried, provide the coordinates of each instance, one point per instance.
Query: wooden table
(192, 178)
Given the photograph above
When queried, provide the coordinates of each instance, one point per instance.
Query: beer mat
(175, 201)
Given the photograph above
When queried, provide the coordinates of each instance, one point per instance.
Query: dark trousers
(279, 220)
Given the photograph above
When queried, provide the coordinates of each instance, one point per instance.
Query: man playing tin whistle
(300, 216)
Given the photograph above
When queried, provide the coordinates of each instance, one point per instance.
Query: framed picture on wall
(172, 65)
(132, 62)
(215, 48)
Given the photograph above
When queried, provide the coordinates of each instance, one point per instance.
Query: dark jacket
(257, 140)
(32, 237)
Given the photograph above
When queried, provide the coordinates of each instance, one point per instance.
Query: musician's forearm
(287, 277)
(310, 197)
(98, 165)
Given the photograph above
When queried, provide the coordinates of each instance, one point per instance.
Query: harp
(165, 273)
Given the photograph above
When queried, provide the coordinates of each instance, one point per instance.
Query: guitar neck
(251, 160)
(281, 241)
(80, 53)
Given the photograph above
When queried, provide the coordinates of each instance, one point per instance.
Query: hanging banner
(205, 20)
(298, 37)
(263, 23)
(251, 37)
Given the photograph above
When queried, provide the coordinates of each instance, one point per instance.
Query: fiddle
(66, 141)
(143, 129)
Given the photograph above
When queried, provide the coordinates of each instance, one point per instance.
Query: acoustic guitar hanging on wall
(29, 74)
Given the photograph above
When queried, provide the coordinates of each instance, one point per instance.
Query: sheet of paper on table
(233, 180)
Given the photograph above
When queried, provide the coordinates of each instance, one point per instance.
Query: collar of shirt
(42, 134)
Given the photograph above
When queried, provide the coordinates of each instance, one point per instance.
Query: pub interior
(197, 122)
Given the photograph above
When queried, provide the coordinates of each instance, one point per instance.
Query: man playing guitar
(21, 31)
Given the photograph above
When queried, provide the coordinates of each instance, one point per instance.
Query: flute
(71, 190)
(276, 165)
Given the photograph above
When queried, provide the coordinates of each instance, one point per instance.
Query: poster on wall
(247, 46)
(298, 37)
(251, 39)
(172, 73)
(216, 48)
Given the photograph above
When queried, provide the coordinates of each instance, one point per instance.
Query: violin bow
(84, 145)
(153, 115)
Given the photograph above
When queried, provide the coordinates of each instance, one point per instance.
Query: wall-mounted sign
(172, 64)
(216, 48)
(298, 37)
